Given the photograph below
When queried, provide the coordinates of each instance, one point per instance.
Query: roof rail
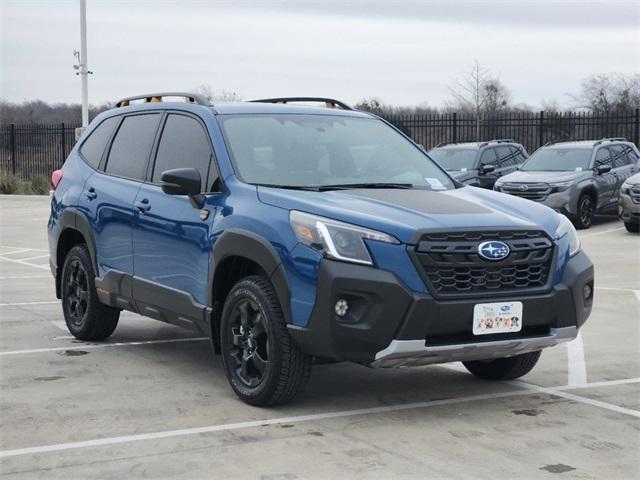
(561, 140)
(329, 102)
(502, 140)
(612, 139)
(158, 97)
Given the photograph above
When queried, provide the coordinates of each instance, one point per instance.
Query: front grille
(531, 191)
(634, 193)
(451, 267)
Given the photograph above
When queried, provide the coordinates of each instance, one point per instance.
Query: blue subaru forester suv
(291, 233)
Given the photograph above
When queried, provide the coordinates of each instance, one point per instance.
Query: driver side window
(603, 157)
(489, 157)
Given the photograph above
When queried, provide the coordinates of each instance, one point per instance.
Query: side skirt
(153, 300)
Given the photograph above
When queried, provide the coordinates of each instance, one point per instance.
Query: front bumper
(389, 325)
(629, 211)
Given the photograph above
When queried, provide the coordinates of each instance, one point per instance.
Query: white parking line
(22, 250)
(22, 304)
(46, 267)
(527, 390)
(600, 233)
(19, 277)
(32, 258)
(60, 324)
(102, 345)
(34, 249)
(577, 367)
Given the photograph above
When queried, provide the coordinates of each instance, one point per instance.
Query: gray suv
(576, 178)
(479, 164)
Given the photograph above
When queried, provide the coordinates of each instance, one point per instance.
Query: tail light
(56, 176)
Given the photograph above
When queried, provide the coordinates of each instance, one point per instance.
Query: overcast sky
(405, 52)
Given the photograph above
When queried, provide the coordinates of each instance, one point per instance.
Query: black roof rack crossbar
(329, 101)
(157, 97)
(502, 140)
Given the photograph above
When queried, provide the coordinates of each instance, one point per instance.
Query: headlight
(336, 239)
(566, 228)
(559, 187)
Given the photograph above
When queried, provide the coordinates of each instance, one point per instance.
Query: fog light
(341, 308)
(587, 290)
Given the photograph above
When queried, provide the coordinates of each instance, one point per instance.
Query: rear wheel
(632, 227)
(586, 212)
(263, 365)
(506, 368)
(86, 317)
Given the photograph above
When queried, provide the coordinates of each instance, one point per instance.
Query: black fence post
(454, 133)
(63, 146)
(541, 127)
(13, 149)
(637, 125)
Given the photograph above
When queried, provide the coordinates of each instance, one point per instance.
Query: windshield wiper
(350, 186)
(311, 188)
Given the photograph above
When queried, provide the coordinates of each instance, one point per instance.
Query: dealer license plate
(497, 318)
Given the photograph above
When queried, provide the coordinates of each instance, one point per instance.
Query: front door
(171, 241)
(607, 182)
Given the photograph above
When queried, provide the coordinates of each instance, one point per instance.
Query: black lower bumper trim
(382, 309)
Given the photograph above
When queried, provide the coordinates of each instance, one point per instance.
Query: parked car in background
(630, 203)
(479, 164)
(576, 178)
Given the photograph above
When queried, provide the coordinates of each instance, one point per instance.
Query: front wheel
(506, 368)
(586, 212)
(632, 227)
(262, 364)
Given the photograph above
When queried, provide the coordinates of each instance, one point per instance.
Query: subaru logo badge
(493, 250)
(523, 188)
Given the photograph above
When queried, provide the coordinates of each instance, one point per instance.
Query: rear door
(607, 182)
(109, 194)
(171, 246)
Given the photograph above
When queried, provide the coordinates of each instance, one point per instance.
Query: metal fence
(28, 151)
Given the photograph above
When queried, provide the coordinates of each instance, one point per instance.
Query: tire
(262, 364)
(632, 227)
(586, 211)
(86, 317)
(506, 368)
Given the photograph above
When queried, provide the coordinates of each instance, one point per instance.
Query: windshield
(558, 160)
(454, 159)
(326, 150)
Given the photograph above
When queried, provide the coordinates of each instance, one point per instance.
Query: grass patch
(12, 185)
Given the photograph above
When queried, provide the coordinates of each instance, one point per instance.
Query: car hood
(404, 213)
(633, 180)
(544, 177)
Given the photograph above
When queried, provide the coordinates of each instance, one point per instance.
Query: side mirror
(183, 181)
(484, 169)
(603, 169)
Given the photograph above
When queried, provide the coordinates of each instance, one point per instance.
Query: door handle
(91, 193)
(143, 205)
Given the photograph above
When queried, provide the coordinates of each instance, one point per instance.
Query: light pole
(83, 66)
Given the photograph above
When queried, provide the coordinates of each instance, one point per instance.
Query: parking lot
(153, 400)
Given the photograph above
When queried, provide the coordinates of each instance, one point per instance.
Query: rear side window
(519, 155)
(184, 144)
(603, 157)
(632, 156)
(93, 147)
(488, 157)
(131, 146)
(619, 156)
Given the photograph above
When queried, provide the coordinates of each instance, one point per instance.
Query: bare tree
(609, 93)
(480, 94)
(222, 96)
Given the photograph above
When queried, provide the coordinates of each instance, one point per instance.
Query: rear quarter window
(93, 147)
